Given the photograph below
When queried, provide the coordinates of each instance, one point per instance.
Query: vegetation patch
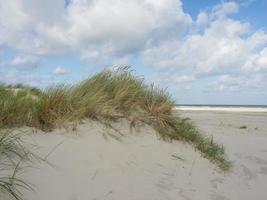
(243, 127)
(12, 156)
(209, 149)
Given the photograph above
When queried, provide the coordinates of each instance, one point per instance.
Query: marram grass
(106, 96)
(12, 155)
(209, 149)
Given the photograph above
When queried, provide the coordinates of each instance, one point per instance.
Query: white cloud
(104, 28)
(60, 71)
(262, 59)
(257, 62)
(224, 9)
(183, 78)
(157, 31)
(202, 18)
(230, 83)
(25, 62)
(227, 83)
(224, 46)
(34, 79)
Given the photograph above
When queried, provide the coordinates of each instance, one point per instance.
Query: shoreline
(223, 109)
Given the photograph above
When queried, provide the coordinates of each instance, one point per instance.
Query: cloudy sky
(204, 51)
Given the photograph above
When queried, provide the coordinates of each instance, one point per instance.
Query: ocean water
(228, 108)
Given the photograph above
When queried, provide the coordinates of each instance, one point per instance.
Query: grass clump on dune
(209, 149)
(12, 155)
(18, 108)
(106, 96)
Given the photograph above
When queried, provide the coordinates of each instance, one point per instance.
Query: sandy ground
(97, 163)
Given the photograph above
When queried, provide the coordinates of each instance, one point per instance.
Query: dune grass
(209, 149)
(106, 96)
(12, 155)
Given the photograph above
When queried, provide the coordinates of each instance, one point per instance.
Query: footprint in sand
(214, 182)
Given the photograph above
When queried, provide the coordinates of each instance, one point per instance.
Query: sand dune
(99, 163)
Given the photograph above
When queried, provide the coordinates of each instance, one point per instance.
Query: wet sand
(99, 163)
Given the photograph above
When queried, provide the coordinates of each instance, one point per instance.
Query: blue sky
(204, 52)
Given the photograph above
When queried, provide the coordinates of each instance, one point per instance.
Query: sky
(201, 51)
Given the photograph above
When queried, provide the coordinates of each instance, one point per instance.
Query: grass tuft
(214, 152)
(243, 127)
(12, 155)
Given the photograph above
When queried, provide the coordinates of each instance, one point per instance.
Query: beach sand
(94, 162)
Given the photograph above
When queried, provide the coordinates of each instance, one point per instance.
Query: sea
(226, 108)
